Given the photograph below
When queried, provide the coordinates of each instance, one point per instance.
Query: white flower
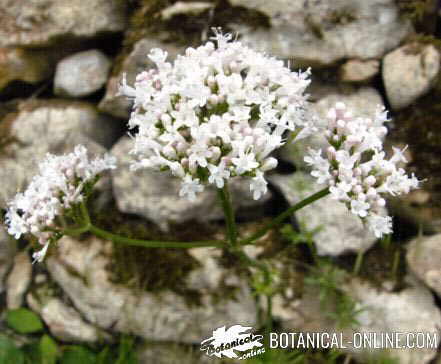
(245, 162)
(258, 185)
(380, 225)
(190, 187)
(359, 208)
(218, 103)
(218, 174)
(58, 187)
(356, 170)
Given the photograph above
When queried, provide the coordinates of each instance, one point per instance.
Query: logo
(225, 342)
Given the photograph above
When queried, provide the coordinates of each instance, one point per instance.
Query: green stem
(224, 196)
(280, 218)
(152, 243)
(358, 262)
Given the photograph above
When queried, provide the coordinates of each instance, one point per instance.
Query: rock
(81, 74)
(54, 126)
(8, 248)
(83, 270)
(323, 32)
(39, 23)
(134, 63)
(356, 70)
(339, 231)
(64, 322)
(409, 72)
(155, 195)
(362, 101)
(31, 66)
(170, 353)
(423, 257)
(186, 8)
(411, 310)
(18, 280)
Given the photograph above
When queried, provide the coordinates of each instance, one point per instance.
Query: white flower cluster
(215, 113)
(58, 187)
(355, 168)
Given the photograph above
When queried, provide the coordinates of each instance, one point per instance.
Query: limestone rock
(322, 32)
(339, 231)
(31, 66)
(409, 72)
(49, 126)
(18, 280)
(81, 74)
(155, 195)
(411, 310)
(423, 257)
(64, 322)
(187, 8)
(82, 270)
(44, 22)
(356, 70)
(7, 252)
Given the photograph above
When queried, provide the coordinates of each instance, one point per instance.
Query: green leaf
(32, 353)
(104, 356)
(24, 321)
(9, 353)
(48, 350)
(78, 354)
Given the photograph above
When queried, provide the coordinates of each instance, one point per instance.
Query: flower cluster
(355, 168)
(215, 113)
(59, 186)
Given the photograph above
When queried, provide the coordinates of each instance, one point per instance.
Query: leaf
(104, 356)
(24, 321)
(78, 354)
(9, 353)
(49, 350)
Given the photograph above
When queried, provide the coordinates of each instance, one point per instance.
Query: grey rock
(63, 321)
(322, 32)
(18, 280)
(31, 66)
(411, 310)
(8, 248)
(81, 269)
(81, 74)
(362, 101)
(155, 195)
(423, 257)
(409, 72)
(186, 8)
(133, 63)
(356, 70)
(49, 126)
(44, 22)
(339, 231)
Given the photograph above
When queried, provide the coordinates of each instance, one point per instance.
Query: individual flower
(60, 185)
(215, 113)
(355, 168)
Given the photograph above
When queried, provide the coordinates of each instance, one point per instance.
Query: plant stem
(358, 262)
(224, 197)
(280, 218)
(152, 243)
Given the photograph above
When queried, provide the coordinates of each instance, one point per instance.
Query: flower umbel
(355, 168)
(217, 112)
(60, 185)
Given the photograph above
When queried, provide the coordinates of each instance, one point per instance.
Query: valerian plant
(214, 114)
